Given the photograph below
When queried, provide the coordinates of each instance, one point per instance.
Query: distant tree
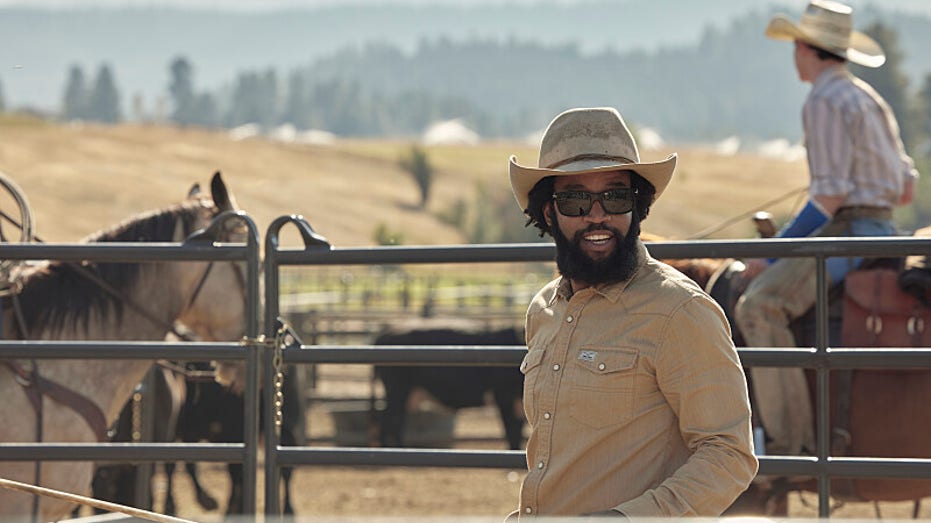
(104, 102)
(345, 107)
(297, 109)
(2, 103)
(255, 99)
(417, 164)
(890, 80)
(181, 89)
(75, 101)
(206, 111)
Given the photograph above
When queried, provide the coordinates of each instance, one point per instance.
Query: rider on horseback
(859, 171)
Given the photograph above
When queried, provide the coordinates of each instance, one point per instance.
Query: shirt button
(601, 366)
(540, 465)
(547, 415)
(528, 510)
(569, 319)
(556, 367)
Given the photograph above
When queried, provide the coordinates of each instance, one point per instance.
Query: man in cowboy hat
(633, 389)
(859, 171)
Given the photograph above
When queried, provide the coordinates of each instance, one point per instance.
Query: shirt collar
(827, 75)
(610, 291)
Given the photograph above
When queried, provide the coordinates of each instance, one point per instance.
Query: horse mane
(56, 295)
(699, 270)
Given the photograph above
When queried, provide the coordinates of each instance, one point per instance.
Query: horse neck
(110, 382)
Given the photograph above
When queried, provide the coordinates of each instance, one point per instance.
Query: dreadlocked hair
(542, 193)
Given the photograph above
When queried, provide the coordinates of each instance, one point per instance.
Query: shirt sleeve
(700, 375)
(830, 147)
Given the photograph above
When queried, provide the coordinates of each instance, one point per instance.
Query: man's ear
(548, 213)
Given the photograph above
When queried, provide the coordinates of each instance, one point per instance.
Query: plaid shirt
(636, 398)
(854, 148)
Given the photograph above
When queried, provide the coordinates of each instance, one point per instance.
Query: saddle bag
(877, 313)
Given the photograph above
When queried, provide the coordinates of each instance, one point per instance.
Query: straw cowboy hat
(828, 25)
(587, 140)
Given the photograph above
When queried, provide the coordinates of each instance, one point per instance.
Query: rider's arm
(812, 217)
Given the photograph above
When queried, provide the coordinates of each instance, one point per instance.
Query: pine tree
(297, 109)
(74, 103)
(104, 105)
(181, 89)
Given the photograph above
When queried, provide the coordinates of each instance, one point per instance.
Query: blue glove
(807, 221)
(811, 218)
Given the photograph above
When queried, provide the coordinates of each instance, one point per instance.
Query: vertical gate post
(272, 290)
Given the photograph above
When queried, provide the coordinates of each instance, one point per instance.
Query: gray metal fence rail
(317, 251)
(820, 357)
(199, 247)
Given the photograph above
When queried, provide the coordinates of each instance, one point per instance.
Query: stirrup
(23, 220)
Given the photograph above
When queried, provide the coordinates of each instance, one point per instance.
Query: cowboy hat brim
(861, 50)
(524, 178)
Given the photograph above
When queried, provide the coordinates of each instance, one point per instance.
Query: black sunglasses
(579, 203)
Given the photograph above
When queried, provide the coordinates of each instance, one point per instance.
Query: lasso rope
(90, 502)
(711, 230)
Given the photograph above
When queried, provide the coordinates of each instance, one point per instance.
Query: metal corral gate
(821, 358)
(199, 247)
(317, 252)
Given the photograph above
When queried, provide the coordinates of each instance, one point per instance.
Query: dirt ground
(409, 494)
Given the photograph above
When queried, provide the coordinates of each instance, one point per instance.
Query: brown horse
(58, 302)
(888, 409)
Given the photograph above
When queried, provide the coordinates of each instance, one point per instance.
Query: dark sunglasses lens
(569, 205)
(617, 201)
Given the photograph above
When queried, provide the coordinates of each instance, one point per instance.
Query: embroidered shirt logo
(588, 355)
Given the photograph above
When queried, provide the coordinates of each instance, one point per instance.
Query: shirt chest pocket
(602, 386)
(531, 369)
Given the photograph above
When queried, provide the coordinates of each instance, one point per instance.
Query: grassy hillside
(81, 179)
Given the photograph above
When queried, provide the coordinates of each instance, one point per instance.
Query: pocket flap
(605, 361)
(532, 359)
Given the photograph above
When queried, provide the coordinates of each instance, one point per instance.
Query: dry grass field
(82, 179)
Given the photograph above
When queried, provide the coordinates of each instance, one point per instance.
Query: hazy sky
(923, 6)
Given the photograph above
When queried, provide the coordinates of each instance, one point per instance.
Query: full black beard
(574, 264)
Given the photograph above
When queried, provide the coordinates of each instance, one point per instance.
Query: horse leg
(235, 504)
(170, 508)
(513, 424)
(397, 391)
(288, 438)
(286, 476)
(204, 499)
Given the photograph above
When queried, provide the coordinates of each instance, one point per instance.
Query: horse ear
(195, 190)
(222, 198)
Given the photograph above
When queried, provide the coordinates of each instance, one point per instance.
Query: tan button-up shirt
(636, 398)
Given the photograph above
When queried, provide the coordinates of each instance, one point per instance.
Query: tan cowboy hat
(588, 140)
(828, 25)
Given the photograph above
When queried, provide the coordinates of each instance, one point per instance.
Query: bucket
(433, 428)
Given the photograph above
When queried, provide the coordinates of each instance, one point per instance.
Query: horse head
(95, 300)
(215, 306)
